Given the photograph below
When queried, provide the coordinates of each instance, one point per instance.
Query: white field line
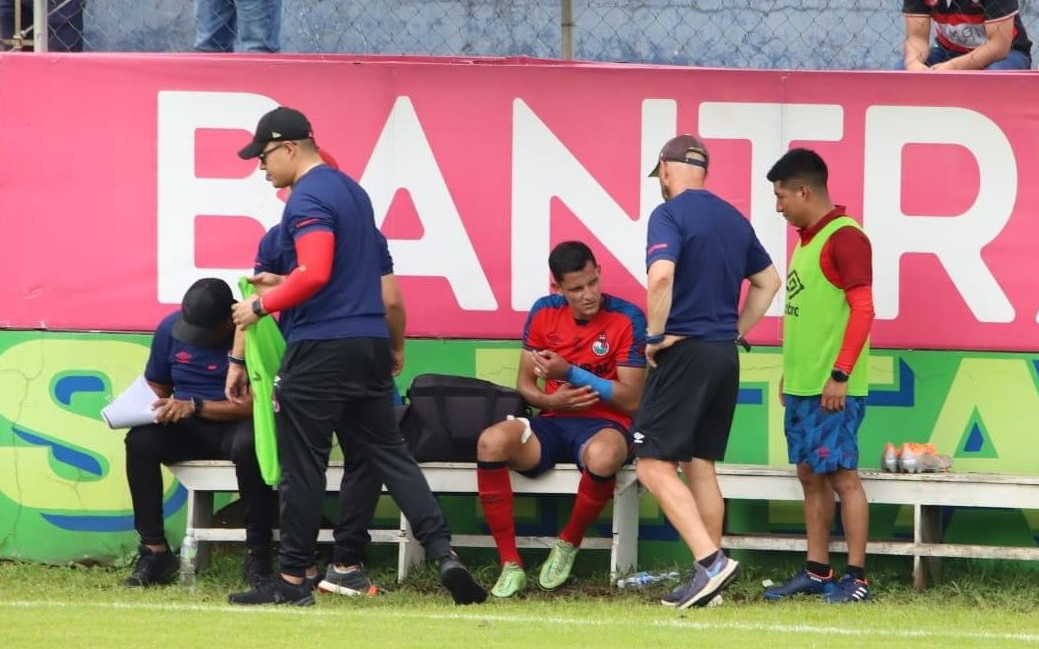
(476, 616)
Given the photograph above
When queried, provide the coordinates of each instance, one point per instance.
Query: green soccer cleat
(556, 569)
(511, 581)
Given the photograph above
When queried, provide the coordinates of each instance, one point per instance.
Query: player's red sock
(593, 493)
(492, 479)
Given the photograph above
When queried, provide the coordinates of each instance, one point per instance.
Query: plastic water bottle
(640, 579)
(188, 561)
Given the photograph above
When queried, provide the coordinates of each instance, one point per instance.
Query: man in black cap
(187, 369)
(336, 374)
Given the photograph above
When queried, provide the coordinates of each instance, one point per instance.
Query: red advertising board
(119, 183)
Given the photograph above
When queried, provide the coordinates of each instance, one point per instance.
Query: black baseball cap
(204, 312)
(684, 148)
(282, 124)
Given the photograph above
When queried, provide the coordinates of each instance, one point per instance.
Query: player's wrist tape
(583, 378)
(654, 339)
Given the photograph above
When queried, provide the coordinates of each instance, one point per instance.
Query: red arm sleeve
(847, 259)
(315, 251)
(860, 321)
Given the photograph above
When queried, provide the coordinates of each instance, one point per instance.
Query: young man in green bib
(828, 315)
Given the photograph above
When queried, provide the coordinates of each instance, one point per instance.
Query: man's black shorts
(689, 402)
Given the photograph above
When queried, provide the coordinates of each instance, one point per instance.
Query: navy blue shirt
(714, 249)
(350, 304)
(272, 258)
(192, 371)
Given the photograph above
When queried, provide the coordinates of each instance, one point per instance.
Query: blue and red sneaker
(805, 582)
(848, 589)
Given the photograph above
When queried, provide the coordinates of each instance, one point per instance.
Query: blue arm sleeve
(582, 378)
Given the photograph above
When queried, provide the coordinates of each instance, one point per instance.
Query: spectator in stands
(64, 24)
(187, 369)
(256, 23)
(587, 349)
(969, 35)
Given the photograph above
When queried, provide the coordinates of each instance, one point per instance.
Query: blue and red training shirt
(349, 304)
(273, 257)
(192, 371)
(615, 337)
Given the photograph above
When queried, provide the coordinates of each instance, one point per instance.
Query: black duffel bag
(446, 414)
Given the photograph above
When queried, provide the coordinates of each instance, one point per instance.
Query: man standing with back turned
(829, 312)
(700, 249)
(336, 372)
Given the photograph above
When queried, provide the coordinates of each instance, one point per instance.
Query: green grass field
(977, 605)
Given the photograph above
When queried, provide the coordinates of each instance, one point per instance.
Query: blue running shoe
(675, 596)
(848, 589)
(703, 584)
(803, 582)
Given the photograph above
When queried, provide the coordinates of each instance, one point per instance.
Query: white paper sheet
(133, 407)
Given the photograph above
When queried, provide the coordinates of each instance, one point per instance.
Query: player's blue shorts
(563, 439)
(824, 440)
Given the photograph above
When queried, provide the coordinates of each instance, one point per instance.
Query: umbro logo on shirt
(793, 284)
(182, 357)
(638, 437)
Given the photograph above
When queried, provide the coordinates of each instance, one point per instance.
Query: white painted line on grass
(476, 616)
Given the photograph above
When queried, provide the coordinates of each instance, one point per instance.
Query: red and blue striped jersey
(615, 337)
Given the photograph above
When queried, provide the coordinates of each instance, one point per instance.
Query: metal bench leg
(410, 552)
(200, 515)
(625, 549)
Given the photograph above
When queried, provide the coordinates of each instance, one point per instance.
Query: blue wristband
(583, 378)
(654, 340)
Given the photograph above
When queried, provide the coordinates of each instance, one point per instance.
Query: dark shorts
(689, 401)
(824, 440)
(563, 439)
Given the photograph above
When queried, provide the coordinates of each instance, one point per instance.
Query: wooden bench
(927, 493)
(203, 478)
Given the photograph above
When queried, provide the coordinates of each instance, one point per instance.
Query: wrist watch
(196, 406)
(258, 308)
(839, 376)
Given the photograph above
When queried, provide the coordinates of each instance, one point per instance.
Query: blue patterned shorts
(824, 440)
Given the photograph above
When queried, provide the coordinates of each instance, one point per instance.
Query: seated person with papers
(187, 369)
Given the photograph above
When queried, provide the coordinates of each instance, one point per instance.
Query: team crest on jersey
(601, 346)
